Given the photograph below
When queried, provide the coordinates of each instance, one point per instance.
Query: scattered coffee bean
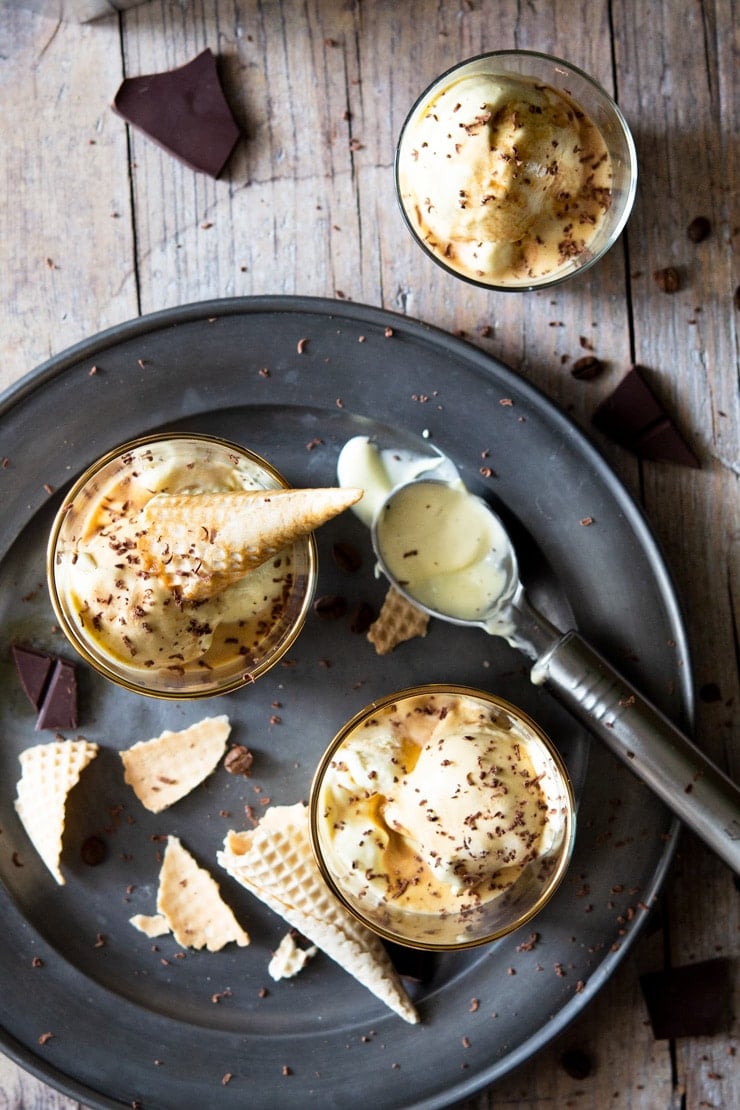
(576, 1063)
(238, 760)
(361, 617)
(667, 279)
(699, 229)
(710, 692)
(93, 851)
(330, 606)
(347, 557)
(587, 368)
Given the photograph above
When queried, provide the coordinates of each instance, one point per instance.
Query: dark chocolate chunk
(60, 702)
(184, 111)
(689, 1001)
(33, 669)
(633, 417)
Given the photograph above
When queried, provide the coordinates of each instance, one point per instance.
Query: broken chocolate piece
(60, 701)
(184, 111)
(33, 669)
(633, 417)
(689, 1001)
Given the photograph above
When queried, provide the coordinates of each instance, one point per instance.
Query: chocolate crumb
(668, 279)
(699, 229)
(37, 962)
(388, 333)
(287, 1070)
(226, 1079)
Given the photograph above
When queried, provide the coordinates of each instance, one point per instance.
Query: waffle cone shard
(48, 773)
(198, 544)
(275, 862)
(189, 905)
(397, 621)
(163, 770)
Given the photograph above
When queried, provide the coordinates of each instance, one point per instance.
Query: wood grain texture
(107, 225)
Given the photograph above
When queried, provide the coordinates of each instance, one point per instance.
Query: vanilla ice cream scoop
(515, 170)
(442, 816)
(473, 805)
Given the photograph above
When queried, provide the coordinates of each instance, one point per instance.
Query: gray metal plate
(131, 1022)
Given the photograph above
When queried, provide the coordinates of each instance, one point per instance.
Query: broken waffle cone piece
(397, 621)
(276, 863)
(190, 906)
(48, 773)
(165, 769)
(198, 544)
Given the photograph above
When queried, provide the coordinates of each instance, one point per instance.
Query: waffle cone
(48, 773)
(198, 544)
(276, 863)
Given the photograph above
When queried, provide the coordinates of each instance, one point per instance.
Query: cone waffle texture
(198, 544)
(165, 769)
(48, 773)
(275, 862)
(190, 906)
(398, 620)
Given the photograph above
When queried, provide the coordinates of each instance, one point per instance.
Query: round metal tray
(293, 379)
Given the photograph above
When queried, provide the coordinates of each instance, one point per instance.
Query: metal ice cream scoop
(449, 554)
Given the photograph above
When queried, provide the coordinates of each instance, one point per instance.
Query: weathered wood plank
(66, 223)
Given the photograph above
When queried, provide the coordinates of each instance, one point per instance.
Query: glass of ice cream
(127, 620)
(442, 817)
(515, 170)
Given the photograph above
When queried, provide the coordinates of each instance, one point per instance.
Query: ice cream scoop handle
(695, 789)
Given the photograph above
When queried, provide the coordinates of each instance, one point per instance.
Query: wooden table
(99, 225)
